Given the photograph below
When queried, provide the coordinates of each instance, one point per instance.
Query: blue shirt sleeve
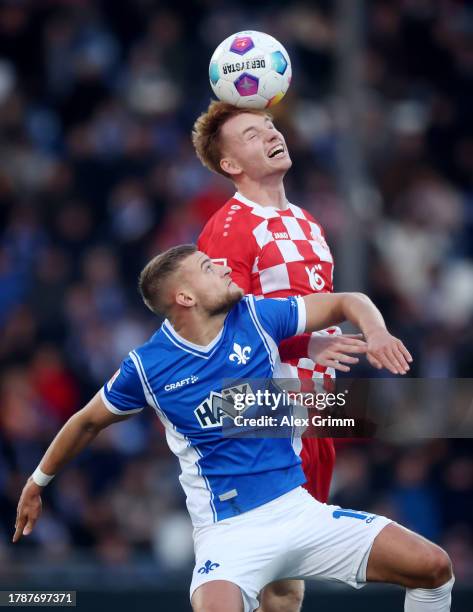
(123, 394)
(281, 317)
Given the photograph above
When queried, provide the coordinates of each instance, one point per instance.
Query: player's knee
(437, 568)
(283, 596)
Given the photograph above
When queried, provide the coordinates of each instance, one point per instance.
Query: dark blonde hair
(207, 130)
(157, 272)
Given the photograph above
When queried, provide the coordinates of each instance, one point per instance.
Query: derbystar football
(250, 70)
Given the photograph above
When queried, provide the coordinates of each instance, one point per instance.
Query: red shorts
(318, 461)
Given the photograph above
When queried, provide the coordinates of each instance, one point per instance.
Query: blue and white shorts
(293, 536)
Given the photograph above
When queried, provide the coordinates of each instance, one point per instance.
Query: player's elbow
(353, 300)
(351, 303)
(357, 295)
(85, 422)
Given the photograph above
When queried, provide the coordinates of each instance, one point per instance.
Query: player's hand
(29, 509)
(336, 351)
(386, 351)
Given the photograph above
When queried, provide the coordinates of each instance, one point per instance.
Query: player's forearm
(327, 309)
(75, 435)
(360, 310)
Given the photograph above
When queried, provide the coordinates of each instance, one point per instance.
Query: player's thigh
(332, 543)
(241, 551)
(401, 556)
(217, 595)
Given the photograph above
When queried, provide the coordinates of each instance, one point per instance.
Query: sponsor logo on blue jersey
(190, 380)
(207, 414)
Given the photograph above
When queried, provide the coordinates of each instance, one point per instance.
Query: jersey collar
(262, 211)
(190, 347)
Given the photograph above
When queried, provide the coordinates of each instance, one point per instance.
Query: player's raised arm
(76, 434)
(384, 350)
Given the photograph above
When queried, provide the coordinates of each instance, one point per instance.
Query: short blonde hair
(154, 277)
(207, 130)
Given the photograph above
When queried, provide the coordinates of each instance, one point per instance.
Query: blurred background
(98, 174)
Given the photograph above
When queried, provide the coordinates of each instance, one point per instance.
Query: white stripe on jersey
(275, 278)
(199, 496)
(297, 211)
(293, 228)
(112, 408)
(289, 251)
(262, 235)
(280, 370)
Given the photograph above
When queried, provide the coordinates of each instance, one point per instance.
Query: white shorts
(293, 536)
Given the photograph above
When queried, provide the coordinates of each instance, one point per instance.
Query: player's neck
(269, 193)
(198, 329)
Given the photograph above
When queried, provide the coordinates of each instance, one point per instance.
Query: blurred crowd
(97, 174)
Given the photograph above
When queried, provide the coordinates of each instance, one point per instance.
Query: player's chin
(283, 163)
(286, 161)
(235, 290)
(232, 297)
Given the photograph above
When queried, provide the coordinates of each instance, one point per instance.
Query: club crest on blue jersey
(241, 354)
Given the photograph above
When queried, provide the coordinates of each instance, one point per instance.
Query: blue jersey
(221, 476)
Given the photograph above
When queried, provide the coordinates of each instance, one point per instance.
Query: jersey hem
(295, 485)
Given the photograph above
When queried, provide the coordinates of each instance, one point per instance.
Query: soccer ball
(250, 70)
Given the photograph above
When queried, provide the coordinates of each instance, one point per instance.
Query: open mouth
(276, 151)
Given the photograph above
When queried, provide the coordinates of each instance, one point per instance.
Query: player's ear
(183, 298)
(230, 166)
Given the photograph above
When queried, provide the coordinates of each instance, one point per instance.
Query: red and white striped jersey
(272, 253)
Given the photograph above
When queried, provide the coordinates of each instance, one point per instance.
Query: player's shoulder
(157, 350)
(241, 310)
(302, 213)
(252, 303)
(232, 218)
